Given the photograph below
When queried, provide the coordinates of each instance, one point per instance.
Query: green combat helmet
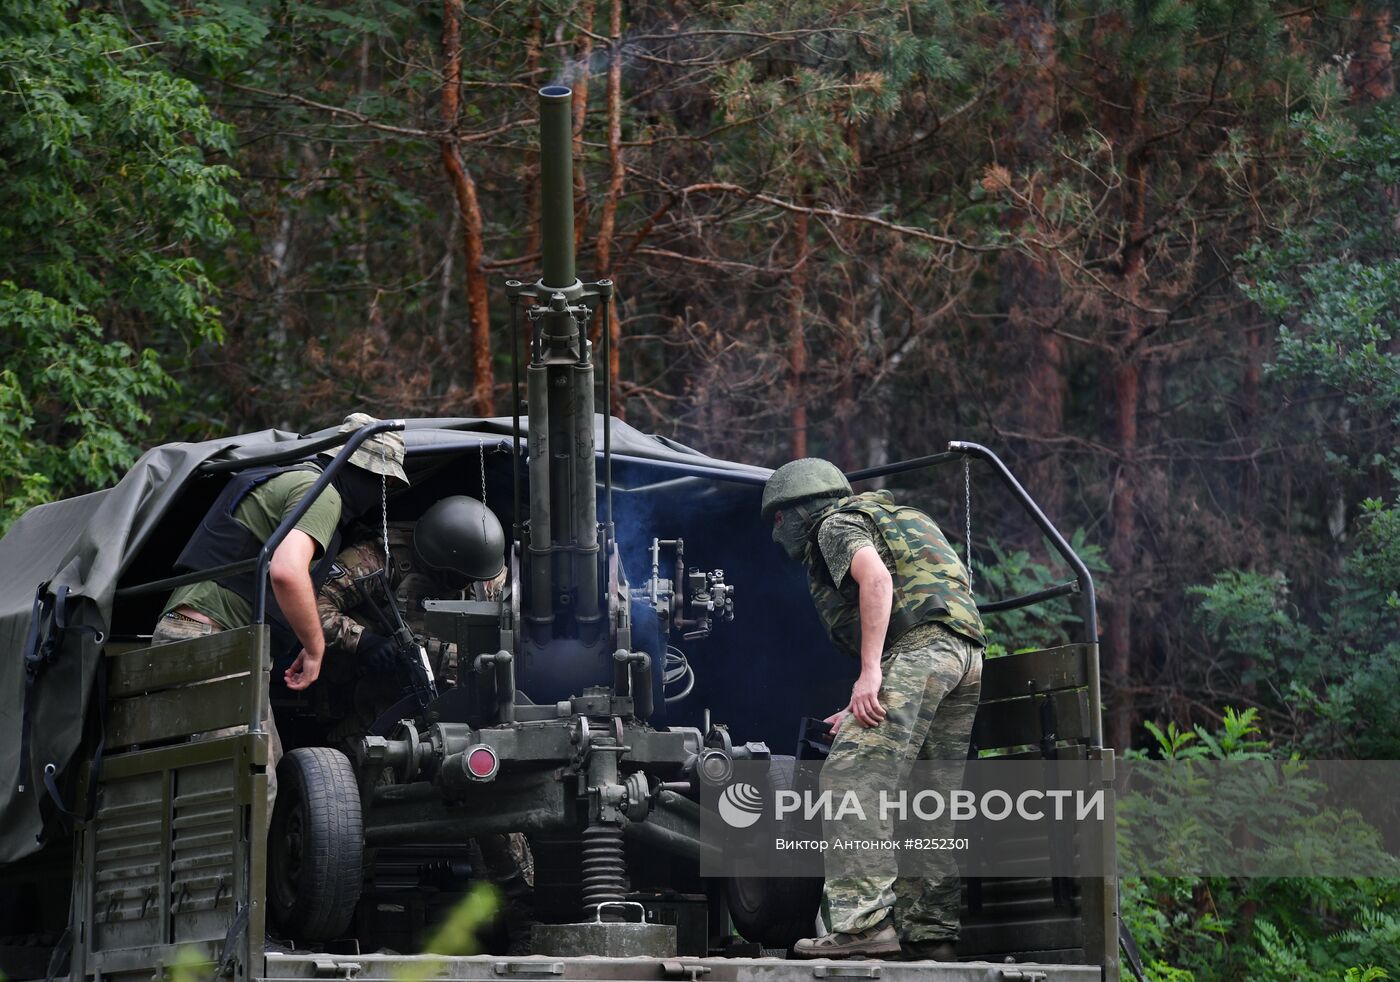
(799, 480)
(461, 535)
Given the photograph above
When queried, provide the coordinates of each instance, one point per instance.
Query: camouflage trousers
(930, 697)
(170, 629)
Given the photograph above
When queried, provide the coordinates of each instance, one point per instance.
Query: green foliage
(1333, 282)
(1013, 573)
(106, 190)
(1220, 928)
(1367, 974)
(191, 965)
(1239, 740)
(456, 935)
(1331, 684)
(828, 66)
(64, 370)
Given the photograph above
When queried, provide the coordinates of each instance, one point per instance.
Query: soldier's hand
(377, 654)
(865, 698)
(836, 719)
(302, 672)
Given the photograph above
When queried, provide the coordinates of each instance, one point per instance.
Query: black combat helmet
(461, 535)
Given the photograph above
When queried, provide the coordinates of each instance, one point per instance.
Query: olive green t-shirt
(260, 512)
(843, 535)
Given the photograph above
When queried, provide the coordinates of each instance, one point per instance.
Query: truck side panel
(172, 866)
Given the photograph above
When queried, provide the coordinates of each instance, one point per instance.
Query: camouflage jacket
(930, 581)
(344, 615)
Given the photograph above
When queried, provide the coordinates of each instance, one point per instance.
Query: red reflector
(482, 762)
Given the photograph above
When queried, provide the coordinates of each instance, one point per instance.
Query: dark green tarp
(86, 544)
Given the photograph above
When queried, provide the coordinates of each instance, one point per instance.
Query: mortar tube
(557, 186)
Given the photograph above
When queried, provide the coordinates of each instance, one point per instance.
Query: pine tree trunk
(607, 227)
(1370, 74)
(1126, 392)
(797, 338)
(578, 80)
(469, 209)
(1030, 288)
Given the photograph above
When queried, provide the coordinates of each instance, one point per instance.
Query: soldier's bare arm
(876, 595)
(290, 572)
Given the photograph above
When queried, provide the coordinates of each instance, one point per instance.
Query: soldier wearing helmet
(893, 594)
(456, 544)
(456, 547)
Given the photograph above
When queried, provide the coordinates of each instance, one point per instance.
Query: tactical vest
(930, 581)
(221, 539)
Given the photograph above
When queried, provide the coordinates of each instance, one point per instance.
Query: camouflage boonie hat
(382, 453)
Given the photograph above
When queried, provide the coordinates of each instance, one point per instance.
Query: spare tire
(315, 846)
(775, 911)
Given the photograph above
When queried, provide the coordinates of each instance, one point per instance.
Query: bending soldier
(245, 514)
(893, 594)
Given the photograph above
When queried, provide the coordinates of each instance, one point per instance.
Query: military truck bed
(173, 858)
(590, 969)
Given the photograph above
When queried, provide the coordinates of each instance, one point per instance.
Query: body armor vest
(221, 539)
(930, 581)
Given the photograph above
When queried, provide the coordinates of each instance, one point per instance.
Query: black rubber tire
(316, 845)
(775, 911)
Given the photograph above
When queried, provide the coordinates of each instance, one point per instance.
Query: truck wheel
(775, 911)
(316, 845)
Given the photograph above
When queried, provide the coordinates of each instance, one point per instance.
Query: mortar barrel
(557, 185)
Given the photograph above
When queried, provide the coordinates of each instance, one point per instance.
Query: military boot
(879, 941)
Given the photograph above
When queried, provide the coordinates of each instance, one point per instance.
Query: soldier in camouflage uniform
(457, 547)
(893, 594)
(463, 548)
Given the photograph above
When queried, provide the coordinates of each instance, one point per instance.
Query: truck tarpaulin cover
(86, 544)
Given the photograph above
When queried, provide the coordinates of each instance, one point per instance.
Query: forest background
(1145, 249)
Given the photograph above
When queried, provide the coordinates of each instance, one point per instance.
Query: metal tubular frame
(903, 466)
(1028, 599)
(301, 452)
(1083, 581)
(198, 576)
(289, 523)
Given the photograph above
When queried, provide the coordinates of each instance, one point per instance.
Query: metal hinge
(680, 970)
(1021, 975)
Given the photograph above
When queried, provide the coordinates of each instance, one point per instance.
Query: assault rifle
(411, 665)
